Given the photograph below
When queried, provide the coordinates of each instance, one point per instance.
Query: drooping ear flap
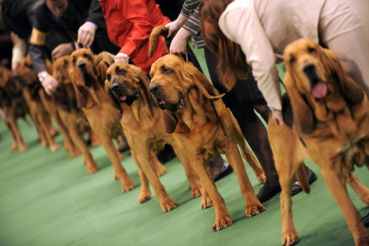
(302, 113)
(80, 95)
(115, 101)
(170, 121)
(202, 83)
(352, 91)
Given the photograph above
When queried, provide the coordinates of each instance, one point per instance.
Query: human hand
(49, 83)
(86, 34)
(15, 66)
(179, 41)
(278, 117)
(172, 27)
(121, 57)
(62, 50)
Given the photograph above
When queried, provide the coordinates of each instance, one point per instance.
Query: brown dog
(331, 118)
(200, 122)
(96, 104)
(13, 106)
(39, 114)
(144, 129)
(65, 99)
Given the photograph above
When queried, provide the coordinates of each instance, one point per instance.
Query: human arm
(95, 20)
(255, 44)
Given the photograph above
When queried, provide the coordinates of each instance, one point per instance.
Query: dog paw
(206, 202)
(254, 209)
(92, 168)
(290, 238)
(196, 192)
(74, 152)
(22, 148)
(222, 223)
(144, 197)
(160, 170)
(169, 205)
(261, 177)
(54, 147)
(14, 147)
(127, 185)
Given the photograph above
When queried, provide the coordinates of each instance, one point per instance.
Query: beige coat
(264, 28)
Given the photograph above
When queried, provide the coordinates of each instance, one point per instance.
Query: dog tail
(155, 33)
(302, 178)
(105, 56)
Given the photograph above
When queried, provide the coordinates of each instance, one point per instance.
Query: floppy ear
(80, 95)
(202, 83)
(302, 113)
(170, 121)
(352, 91)
(115, 101)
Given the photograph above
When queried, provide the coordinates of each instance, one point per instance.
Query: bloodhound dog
(103, 118)
(330, 126)
(144, 129)
(199, 121)
(72, 117)
(13, 106)
(38, 111)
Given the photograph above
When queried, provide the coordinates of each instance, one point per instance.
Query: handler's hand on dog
(121, 57)
(49, 83)
(278, 118)
(62, 50)
(172, 27)
(179, 41)
(86, 34)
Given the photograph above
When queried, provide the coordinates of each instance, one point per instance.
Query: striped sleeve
(189, 6)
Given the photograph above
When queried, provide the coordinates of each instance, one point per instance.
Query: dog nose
(154, 88)
(309, 68)
(114, 87)
(81, 65)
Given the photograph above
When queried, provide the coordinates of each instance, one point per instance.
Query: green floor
(49, 199)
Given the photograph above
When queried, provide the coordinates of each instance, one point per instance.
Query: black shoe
(166, 154)
(366, 220)
(226, 169)
(123, 148)
(296, 187)
(265, 194)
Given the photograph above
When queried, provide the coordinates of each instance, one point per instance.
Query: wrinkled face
(61, 69)
(169, 82)
(304, 60)
(123, 82)
(57, 7)
(83, 71)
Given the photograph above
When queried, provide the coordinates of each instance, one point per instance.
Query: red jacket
(129, 24)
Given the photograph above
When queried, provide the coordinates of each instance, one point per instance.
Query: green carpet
(49, 199)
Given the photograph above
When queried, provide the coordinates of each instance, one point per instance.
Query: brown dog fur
(13, 106)
(144, 129)
(191, 105)
(103, 117)
(333, 126)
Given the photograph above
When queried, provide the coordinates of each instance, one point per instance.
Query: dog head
(172, 78)
(125, 83)
(316, 81)
(84, 72)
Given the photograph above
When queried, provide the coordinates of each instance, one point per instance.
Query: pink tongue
(122, 98)
(161, 102)
(320, 90)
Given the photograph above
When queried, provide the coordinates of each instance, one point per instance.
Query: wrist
(42, 75)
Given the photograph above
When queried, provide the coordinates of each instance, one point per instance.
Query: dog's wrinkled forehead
(82, 54)
(118, 68)
(300, 47)
(167, 64)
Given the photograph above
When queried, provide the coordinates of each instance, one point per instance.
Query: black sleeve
(36, 52)
(95, 14)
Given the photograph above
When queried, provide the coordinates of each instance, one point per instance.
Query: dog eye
(292, 60)
(166, 70)
(87, 57)
(108, 77)
(311, 50)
